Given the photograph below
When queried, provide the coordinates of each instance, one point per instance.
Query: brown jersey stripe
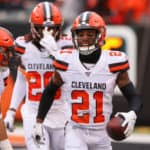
(5, 81)
(118, 64)
(19, 50)
(69, 50)
(67, 47)
(60, 65)
(117, 67)
(22, 70)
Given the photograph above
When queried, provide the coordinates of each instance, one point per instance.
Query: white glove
(48, 41)
(129, 120)
(38, 134)
(9, 120)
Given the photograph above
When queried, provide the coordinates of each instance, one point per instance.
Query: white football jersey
(89, 91)
(37, 71)
(4, 72)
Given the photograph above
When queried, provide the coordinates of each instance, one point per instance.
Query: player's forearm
(46, 101)
(133, 98)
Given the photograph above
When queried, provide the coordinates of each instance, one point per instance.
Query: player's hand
(38, 134)
(129, 120)
(9, 120)
(48, 41)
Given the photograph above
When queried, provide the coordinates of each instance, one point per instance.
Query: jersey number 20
(36, 84)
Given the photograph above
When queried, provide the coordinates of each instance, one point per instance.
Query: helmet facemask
(37, 31)
(36, 35)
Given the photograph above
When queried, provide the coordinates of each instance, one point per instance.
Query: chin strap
(87, 50)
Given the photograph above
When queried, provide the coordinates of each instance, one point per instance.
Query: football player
(87, 77)
(37, 50)
(6, 52)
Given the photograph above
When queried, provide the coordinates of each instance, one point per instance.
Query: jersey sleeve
(65, 42)
(62, 59)
(118, 61)
(6, 73)
(5, 76)
(20, 45)
(60, 65)
(18, 91)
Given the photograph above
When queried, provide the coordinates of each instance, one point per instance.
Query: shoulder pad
(65, 54)
(118, 61)
(65, 42)
(66, 51)
(20, 45)
(60, 65)
(65, 37)
(63, 58)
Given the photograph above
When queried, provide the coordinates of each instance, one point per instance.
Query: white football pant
(54, 137)
(29, 118)
(86, 139)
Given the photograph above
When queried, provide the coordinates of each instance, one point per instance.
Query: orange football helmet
(45, 14)
(6, 38)
(93, 21)
(6, 46)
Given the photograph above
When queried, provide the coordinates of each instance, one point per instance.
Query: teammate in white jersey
(87, 77)
(34, 74)
(6, 51)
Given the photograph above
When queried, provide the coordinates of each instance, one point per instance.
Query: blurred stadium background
(128, 30)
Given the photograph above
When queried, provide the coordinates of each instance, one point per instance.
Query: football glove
(9, 120)
(38, 134)
(129, 120)
(48, 41)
